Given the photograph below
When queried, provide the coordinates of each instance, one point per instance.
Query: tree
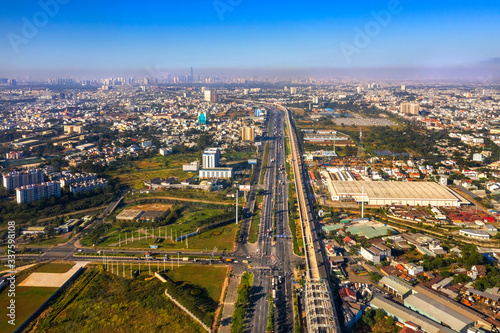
(374, 277)
(379, 314)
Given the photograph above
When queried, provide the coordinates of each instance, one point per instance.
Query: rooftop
(438, 311)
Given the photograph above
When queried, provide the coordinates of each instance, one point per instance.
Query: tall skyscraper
(211, 158)
(191, 78)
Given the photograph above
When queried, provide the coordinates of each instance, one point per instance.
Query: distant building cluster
(77, 178)
(31, 185)
(89, 185)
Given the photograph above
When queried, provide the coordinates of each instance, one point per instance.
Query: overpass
(319, 305)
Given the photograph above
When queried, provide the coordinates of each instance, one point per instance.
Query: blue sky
(119, 35)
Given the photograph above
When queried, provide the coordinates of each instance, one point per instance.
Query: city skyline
(382, 39)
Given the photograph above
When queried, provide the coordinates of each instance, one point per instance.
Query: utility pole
(362, 201)
(359, 146)
(237, 206)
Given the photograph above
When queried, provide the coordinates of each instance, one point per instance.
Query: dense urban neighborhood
(318, 206)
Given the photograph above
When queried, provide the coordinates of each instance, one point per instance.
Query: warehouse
(439, 313)
(395, 193)
(479, 234)
(402, 314)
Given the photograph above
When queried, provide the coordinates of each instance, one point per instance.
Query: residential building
(409, 108)
(248, 133)
(35, 192)
(15, 179)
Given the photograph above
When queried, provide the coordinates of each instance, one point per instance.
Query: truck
(274, 293)
(229, 260)
(185, 258)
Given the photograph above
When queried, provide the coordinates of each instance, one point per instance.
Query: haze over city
(91, 39)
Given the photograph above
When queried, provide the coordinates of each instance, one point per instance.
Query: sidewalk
(231, 298)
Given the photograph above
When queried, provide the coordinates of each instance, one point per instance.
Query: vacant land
(48, 242)
(210, 278)
(103, 302)
(159, 166)
(222, 237)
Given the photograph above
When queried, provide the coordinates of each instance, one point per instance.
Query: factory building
(434, 310)
(394, 193)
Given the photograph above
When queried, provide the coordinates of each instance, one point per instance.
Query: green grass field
(142, 237)
(28, 299)
(102, 302)
(49, 242)
(263, 168)
(222, 237)
(55, 268)
(209, 277)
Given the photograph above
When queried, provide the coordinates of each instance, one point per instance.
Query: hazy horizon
(391, 39)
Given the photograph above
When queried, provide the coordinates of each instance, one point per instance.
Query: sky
(76, 36)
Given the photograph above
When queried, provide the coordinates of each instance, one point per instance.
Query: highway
(261, 283)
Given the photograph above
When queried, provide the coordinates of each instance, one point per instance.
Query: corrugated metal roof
(408, 315)
(399, 285)
(438, 311)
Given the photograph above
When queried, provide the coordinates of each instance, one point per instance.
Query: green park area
(28, 299)
(101, 301)
(180, 219)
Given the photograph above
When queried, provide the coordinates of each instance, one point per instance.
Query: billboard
(252, 161)
(245, 187)
(259, 112)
